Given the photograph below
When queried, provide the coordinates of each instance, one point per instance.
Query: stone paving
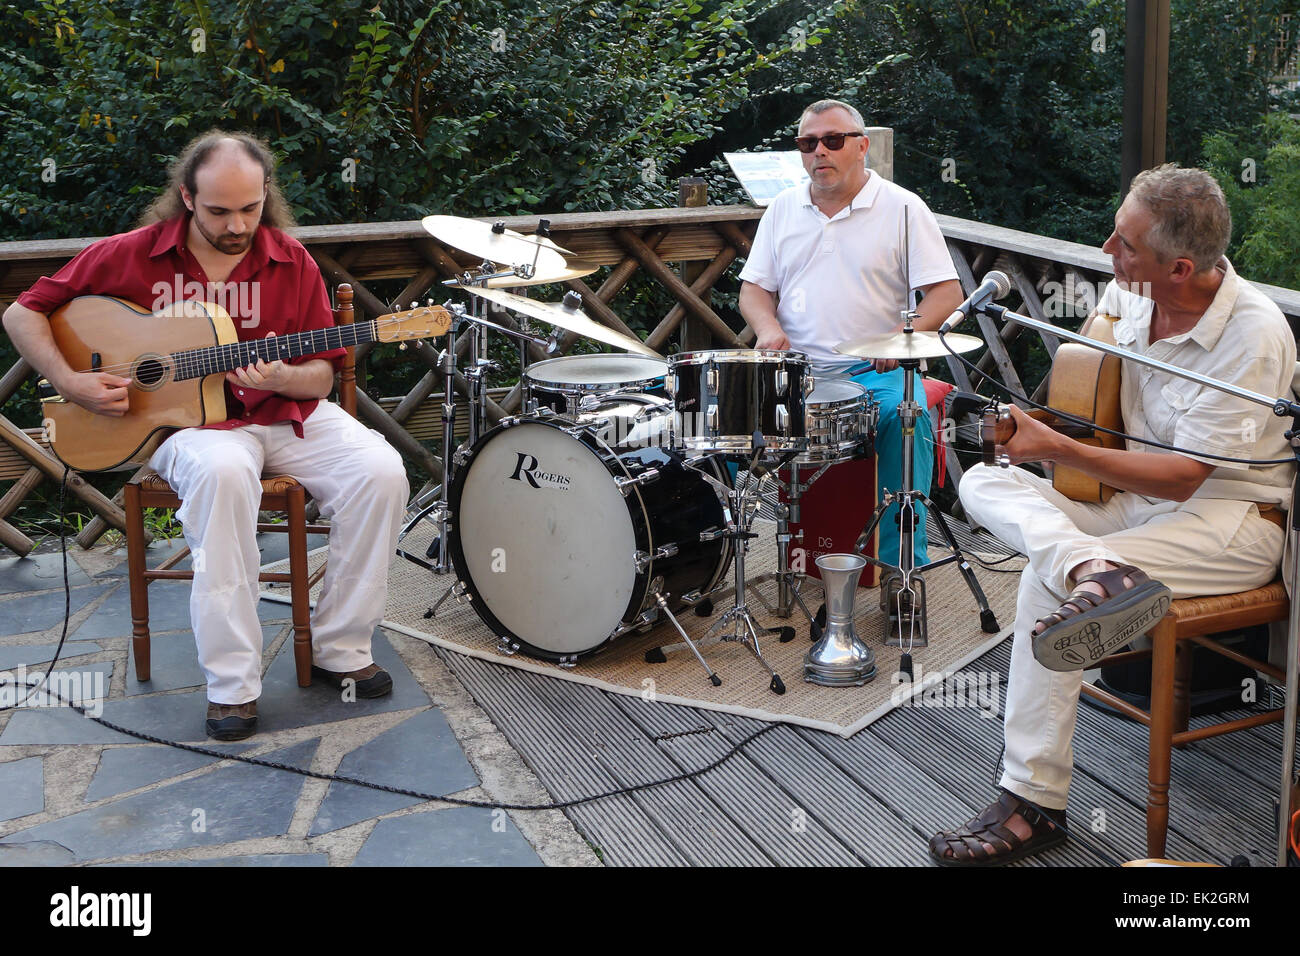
(76, 793)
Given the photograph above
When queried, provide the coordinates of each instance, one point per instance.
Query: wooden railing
(1054, 281)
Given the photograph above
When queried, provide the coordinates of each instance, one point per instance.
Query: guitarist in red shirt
(216, 234)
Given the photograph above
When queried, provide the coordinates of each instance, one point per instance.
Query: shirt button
(241, 391)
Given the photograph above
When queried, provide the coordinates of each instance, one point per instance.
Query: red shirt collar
(268, 242)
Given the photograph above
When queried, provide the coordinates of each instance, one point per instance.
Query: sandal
(987, 841)
(1085, 628)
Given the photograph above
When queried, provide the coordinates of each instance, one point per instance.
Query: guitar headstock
(423, 322)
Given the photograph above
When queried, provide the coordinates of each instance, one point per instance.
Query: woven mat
(955, 640)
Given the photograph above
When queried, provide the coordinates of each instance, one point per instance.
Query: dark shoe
(371, 681)
(1085, 628)
(231, 721)
(986, 840)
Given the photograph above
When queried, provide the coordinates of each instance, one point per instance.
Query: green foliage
(1260, 175)
(459, 106)
(1010, 113)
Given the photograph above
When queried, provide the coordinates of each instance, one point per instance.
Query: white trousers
(359, 482)
(1197, 547)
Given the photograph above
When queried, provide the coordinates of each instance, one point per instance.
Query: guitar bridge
(48, 393)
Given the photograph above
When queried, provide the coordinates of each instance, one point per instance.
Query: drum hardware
(839, 658)
(789, 582)
(744, 630)
(841, 426)
(902, 589)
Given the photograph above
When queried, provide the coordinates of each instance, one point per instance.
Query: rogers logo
(526, 470)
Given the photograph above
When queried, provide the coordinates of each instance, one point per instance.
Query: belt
(1274, 514)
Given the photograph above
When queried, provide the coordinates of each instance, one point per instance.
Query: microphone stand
(1282, 407)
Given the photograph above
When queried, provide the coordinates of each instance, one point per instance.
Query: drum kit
(629, 483)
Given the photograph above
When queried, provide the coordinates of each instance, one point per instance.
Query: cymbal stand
(744, 630)
(902, 589)
(438, 510)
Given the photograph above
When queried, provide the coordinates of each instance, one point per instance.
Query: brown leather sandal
(987, 841)
(1085, 628)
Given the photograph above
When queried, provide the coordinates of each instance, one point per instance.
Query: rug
(954, 627)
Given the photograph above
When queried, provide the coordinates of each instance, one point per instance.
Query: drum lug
(711, 379)
(507, 648)
(809, 384)
(569, 662)
(782, 417)
(712, 534)
(782, 381)
(711, 418)
(644, 560)
(460, 593)
(461, 456)
(509, 421)
(670, 384)
(625, 485)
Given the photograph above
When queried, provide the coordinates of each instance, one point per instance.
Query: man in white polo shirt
(827, 265)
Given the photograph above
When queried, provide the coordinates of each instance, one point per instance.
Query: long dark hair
(169, 204)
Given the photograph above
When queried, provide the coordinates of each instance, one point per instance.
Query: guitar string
(1073, 419)
(197, 363)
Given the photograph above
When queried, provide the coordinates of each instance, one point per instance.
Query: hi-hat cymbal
(908, 345)
(576, 269)
(571, 319)
(508, 246)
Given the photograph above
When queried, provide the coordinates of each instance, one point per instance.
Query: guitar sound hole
(150, 373)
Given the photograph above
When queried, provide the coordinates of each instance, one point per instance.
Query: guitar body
(1085, 383)
(101, 332)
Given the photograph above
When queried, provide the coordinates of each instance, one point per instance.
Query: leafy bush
(1260, 175)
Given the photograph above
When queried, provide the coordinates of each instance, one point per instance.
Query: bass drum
(561, 542)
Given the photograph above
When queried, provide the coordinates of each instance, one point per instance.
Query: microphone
(994, 286)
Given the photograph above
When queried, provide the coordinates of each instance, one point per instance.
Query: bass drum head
(543, 540)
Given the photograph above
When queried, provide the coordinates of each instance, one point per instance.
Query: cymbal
(508, 247)
(908, 345)
(576, 269)
(564, 317)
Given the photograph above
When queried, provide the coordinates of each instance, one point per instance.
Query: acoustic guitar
(1084, 383)
(176, 359)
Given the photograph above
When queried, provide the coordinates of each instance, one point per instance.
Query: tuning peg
(401, 346)
(414, 304)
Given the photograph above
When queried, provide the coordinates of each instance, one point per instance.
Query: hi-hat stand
(902, 588)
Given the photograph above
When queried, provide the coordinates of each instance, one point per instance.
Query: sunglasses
(833, 141)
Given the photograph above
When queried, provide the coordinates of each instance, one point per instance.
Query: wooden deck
(799, 797)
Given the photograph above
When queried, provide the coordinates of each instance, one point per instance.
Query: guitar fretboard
(196, 363)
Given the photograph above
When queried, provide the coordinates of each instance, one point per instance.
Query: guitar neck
(197, 363)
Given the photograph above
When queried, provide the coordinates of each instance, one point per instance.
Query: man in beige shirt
(1182, 523)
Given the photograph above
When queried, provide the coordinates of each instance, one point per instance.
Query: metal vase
(839, 659)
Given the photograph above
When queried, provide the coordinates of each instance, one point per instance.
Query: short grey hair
(821, 106)
(1191, 217)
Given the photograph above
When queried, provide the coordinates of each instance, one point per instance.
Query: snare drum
(721, 398)
(562, 542)
(841, 422)
(563, 383)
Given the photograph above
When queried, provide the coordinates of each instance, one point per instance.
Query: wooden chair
(1191, 621)
(279, 494)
